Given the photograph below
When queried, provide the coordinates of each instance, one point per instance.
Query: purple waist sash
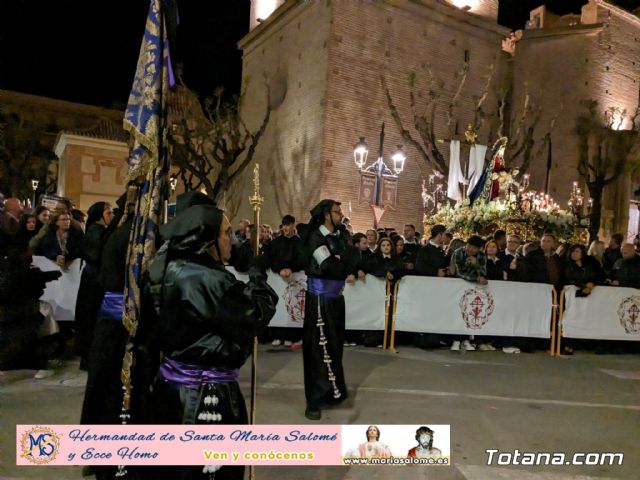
(193, 376)
(324, 287)
(111, 306)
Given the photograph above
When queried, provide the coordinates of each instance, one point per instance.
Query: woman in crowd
(386, 262)
(42, 214)
(596, 250)
(582, 271)
(26, 232)
(61, 243)
(496, 269)
(266, 235)
(403, 254)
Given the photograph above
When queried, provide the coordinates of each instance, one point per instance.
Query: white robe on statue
(476, 164)
(455, 172)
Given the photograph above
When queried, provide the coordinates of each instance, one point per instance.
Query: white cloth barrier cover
(365, 304)
(61, 294)
(454, 306)
(609, 313)
(364, 301)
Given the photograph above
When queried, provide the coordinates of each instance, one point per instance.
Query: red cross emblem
(629, 314)
(476, 306)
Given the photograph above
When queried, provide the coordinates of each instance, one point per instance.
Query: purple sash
(111, 306)
(193, 376)
(324, 287)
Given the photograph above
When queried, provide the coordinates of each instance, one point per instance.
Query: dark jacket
(506, 259)
(430, 259)
(114, 258)
(206, 316)
(611, 256)
(589, 272)
(50, 248)
(331, 267)
(627, 272)
(286, 253)
(241, 255)
(495, 269)
(92, 244)
(410, 253)
(534, 268)
(380, 265)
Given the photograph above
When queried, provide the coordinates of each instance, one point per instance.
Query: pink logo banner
(231, 445)
(177, 444)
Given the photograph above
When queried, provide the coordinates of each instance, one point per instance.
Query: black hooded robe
(90, 292)
(205, 322)
(324, 327)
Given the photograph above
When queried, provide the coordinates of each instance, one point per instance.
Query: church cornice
(66, 139)
(619, 11)
(562, 31)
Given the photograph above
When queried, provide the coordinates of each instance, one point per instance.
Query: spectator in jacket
(582, 271)
(471, 262)
(496, 269)
(386, 262)
(613, 253)
(626, 271)
(431, 260)
(61, 243)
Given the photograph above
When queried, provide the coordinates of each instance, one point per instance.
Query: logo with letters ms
(40, 445)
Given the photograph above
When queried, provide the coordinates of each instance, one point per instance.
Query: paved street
(530, 402)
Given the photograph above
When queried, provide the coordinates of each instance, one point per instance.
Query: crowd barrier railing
(608, 313)
(455, 307)
(430, 305)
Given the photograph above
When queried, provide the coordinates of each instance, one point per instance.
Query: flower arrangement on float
(506, 203)
(484, 218)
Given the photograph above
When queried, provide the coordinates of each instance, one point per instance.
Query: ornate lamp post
(378, 170)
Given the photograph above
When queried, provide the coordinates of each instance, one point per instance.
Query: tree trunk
(595, 190)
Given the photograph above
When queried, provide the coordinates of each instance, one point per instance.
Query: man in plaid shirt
(471, 263)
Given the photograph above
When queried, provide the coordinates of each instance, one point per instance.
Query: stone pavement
(529, 402)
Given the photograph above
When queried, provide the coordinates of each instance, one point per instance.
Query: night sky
(86, 51)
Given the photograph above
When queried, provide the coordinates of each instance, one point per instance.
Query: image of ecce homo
(374, 448)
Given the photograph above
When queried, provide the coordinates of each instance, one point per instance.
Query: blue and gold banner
(146, 120)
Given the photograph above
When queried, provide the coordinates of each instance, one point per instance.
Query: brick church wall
(290, 49)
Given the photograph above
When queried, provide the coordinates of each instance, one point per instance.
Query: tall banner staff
(148, 166)
(256, 202)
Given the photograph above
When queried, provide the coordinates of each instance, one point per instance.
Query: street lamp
(173, 183)
(379, 169)
(360, 153)
(34, 187)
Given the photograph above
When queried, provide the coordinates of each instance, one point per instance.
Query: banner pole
(554, 318)
(559, 329)
(256, 202)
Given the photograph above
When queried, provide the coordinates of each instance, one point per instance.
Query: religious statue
(488, 187)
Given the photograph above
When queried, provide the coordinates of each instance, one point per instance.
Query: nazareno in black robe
(205, 317)
(322, 343)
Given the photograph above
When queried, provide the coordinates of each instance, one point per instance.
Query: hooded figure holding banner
(206, 321)
(324, 315)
